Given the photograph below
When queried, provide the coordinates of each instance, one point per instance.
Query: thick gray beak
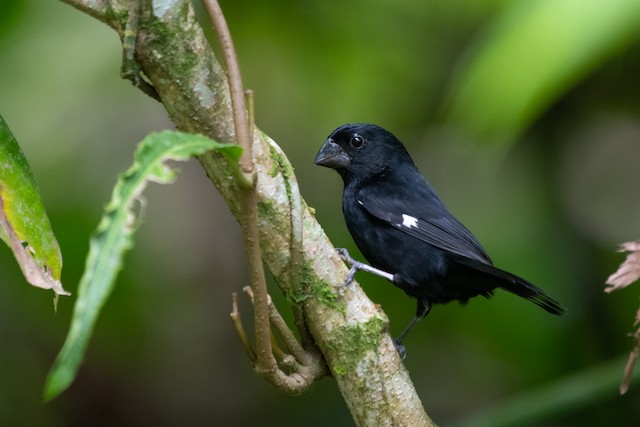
(331, 155)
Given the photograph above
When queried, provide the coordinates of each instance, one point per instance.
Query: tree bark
(351, 332)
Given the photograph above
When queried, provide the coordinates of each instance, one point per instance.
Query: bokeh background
(525, 115)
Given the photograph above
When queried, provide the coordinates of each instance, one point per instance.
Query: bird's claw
(402, 351)
(344, 255)
(350, 277)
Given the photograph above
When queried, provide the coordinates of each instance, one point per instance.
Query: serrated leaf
(24, 225)
(113, 237)
(534, 52)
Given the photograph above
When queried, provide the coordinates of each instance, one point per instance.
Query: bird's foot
(344, 255)
(357, 265)
(402, 351)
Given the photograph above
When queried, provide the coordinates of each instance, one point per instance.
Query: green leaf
(113, 237)
(534, 52)
(24, 225)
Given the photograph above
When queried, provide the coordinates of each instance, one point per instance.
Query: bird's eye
(356, 141)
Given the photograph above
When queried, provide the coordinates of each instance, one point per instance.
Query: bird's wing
(416, 215)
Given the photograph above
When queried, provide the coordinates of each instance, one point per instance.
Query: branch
(306, 367)
(348, 328)
(240, 119)
(248, 212)
(237, 324)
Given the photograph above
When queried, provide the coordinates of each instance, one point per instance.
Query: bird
(404, 230)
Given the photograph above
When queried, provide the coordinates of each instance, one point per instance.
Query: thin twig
(633, 356)
(265, 359)
(288, 339)
(240, 119)
(237, 324)
(285, 333)
(249, 214)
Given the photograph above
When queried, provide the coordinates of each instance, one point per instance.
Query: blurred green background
(524, 115)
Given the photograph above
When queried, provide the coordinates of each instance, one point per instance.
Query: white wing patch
(409, 221)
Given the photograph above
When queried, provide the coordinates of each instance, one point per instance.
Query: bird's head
(362, 150)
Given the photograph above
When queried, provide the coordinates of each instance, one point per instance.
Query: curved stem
(249, 215)
(240, 119)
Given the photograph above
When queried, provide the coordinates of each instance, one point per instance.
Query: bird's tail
(519, 286)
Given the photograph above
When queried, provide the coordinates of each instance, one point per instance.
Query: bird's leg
(357, 265)
(424, 307)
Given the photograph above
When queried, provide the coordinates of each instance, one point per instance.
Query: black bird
(405, 231)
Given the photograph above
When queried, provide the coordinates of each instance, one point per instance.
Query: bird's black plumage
(402, 227)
